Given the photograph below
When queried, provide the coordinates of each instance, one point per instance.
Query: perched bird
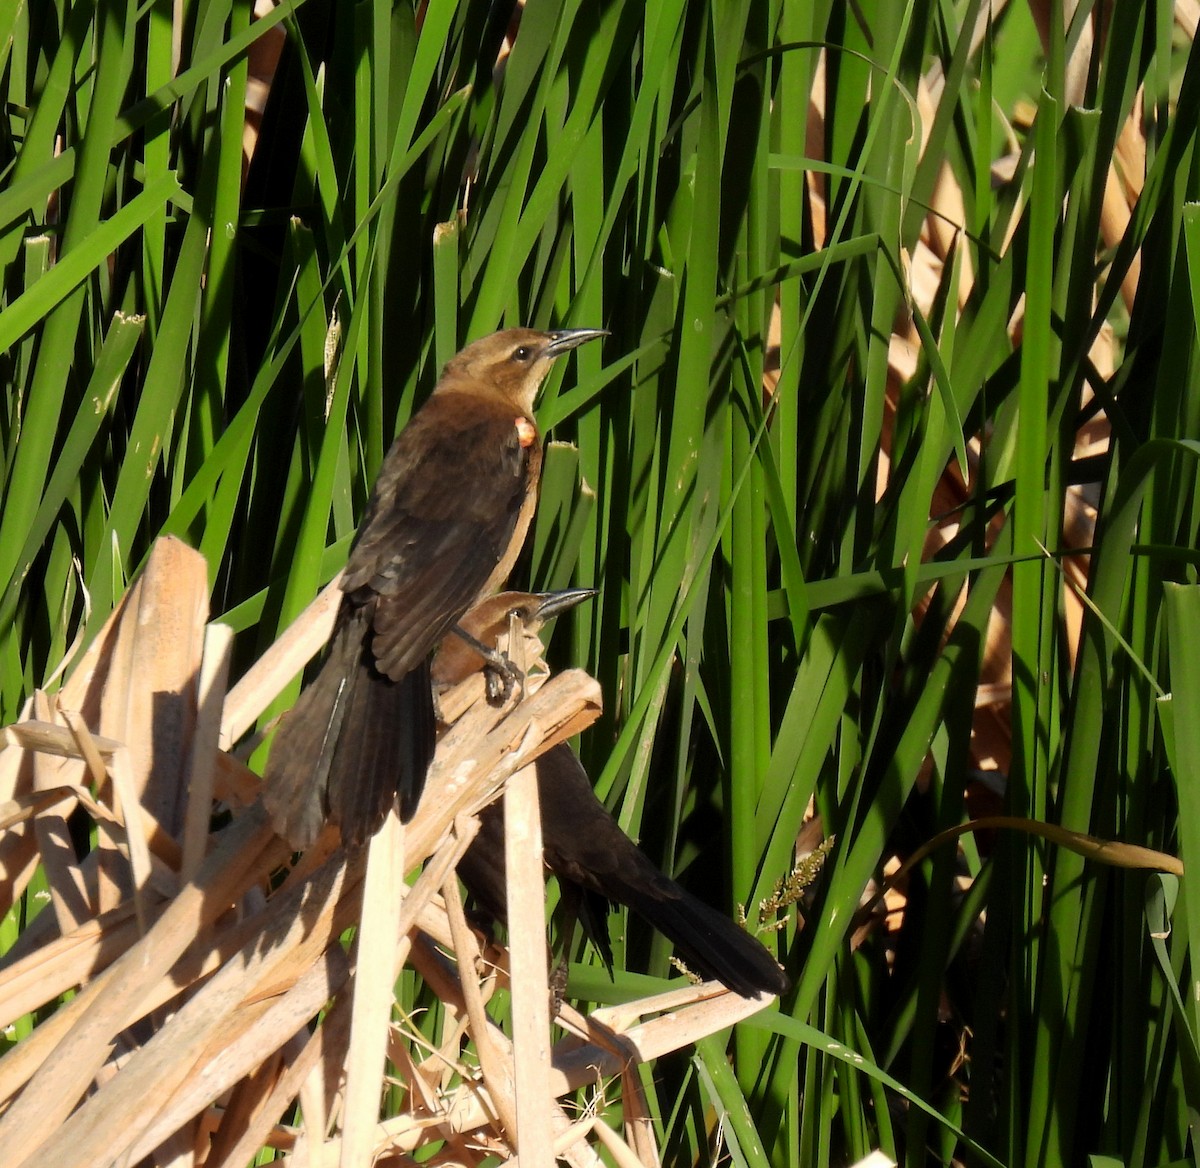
(444, 526)
(474, 647)
(595, 861)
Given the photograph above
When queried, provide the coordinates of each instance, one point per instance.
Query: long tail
(589, 853)
(709, 942)
(354, 741)
(583, 842)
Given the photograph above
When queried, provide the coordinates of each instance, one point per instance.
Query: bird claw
(558, 986)
(501, 676)
(502, 679)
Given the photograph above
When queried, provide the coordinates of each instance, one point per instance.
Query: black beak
(562, 340)
(552, 604)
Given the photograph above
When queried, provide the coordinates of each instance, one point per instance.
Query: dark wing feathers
(427, 547)
(372, 736)
(386, 753)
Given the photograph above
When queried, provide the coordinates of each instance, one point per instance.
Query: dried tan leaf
(64, 963)
(18, 858)
(639, 1123)
(149, 699)
(244, 986)
(620, 1151)
(272, 1024)
(201, 777)
(118, 998)
(375, 948)
(495, 1056)
(527, 964)
(211, 1041)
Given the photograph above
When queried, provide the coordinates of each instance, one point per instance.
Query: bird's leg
(501, 674)
(558, 987)
(569, 902)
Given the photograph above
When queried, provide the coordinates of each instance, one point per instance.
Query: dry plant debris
(197, 980)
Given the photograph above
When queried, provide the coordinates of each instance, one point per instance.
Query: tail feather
(297, 773)
(587, 850)
(383, 751)
(709, 942)
(352, 743)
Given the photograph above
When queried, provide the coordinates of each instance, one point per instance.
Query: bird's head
(490, 619)
(514, 363)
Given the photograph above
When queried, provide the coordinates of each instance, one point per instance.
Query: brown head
(512, 363)
(488, 620)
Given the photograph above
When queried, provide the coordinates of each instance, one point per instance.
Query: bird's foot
(502, 679)
(501, 676)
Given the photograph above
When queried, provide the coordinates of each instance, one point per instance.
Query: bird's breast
(526, 432)
(528, 504)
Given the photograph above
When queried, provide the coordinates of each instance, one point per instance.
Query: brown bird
(474, 647)
(444, 526)
(582, 844)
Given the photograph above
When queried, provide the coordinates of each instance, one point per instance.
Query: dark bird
(597, 864)
(444, 526)
(595, 861)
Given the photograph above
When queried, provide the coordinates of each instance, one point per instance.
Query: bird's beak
(552, 604)
(561, 340)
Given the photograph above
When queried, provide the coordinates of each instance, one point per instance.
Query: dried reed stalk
(210, 994)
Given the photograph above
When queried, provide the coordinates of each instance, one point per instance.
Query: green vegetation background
(226, 356)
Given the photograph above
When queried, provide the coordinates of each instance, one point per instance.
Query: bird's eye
(522, 354)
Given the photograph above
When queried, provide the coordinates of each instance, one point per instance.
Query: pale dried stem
(246, 969)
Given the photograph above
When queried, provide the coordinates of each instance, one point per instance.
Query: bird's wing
(442, 515)
(353, 741)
